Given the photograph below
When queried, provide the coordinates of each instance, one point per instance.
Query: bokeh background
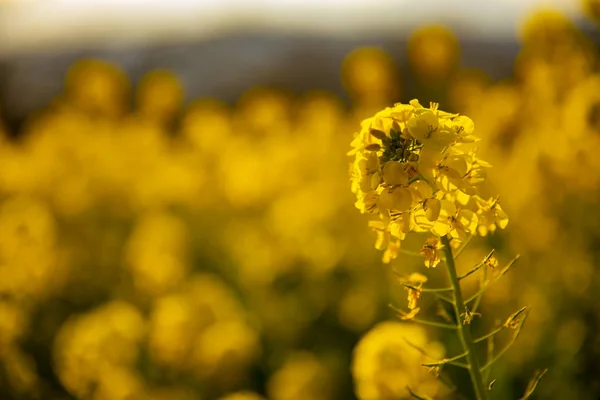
(176, 219)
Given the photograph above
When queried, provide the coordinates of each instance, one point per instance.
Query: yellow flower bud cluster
(416, 168)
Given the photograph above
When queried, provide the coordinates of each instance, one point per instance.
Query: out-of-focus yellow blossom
(30, 266)
(97, 88)
(95, 353)
(203, 330)
(370, 76)
(159, 97)
(207, 126)
(386, 361)
(263, 111)
(414, 169)
(554, 46)
(581, 123)
(433, 51)
(302, 376)
(320, 115)
(258, 261)
(244, 395)
(544, 27)
(156, 253)
(225, 350)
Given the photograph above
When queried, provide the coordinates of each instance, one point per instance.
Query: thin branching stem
(482, 282)
(505, 348)
(464, 329)
(410, 253)
(439, 290)
(500, 328)
(451, 361)
(479, 265)
(426, 290)
(490, 356)
(496, 279)
(490, 334)
(415, 395)
(534, 383)
(448, 361)
(436, 292)
(424, 322)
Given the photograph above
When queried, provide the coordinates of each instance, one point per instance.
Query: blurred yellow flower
(97, 88)
(95, 353)
(159, 97)
(370, 76)
(156, 253)
(433, 52)
(30, 267)
(386, 360)
(302, 376)
(203, 330)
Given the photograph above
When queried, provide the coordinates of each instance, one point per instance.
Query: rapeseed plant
(416, 169)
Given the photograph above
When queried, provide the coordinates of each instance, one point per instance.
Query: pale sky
(31, 25)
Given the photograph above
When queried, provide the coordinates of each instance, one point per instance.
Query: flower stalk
(464, 330)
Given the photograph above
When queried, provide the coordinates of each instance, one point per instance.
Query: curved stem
(464, 329)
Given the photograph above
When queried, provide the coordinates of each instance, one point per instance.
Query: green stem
(464, 329)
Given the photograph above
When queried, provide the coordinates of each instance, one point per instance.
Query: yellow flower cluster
(95, 353)
(201, 331)
(416, 168)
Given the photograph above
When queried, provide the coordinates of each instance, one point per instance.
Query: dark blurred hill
(226, 66)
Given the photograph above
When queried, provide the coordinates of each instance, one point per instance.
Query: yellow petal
(432, 209)
(401, 199)
(468, 220)
(421, 221)
(421, 190)
(423, 124)
(466, 123)
(394, 173)
(457, 166)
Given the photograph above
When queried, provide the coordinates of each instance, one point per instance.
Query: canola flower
(417, 170)
(414, 168)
